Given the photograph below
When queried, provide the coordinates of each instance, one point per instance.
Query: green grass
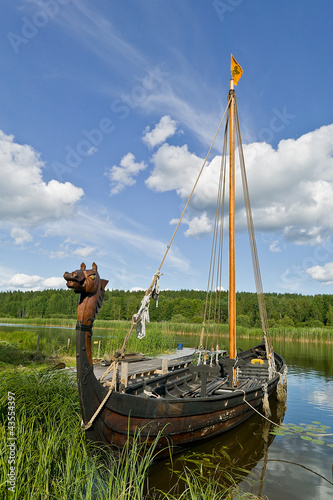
(207, 476)
(19, 347)
(52, 459)
(40, 321)
(118, 330)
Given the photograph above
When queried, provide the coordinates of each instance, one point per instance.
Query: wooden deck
(148, 365)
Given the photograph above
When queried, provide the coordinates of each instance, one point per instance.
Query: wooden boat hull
(181, 420)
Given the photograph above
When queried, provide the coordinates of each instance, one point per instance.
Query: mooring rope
(274, 423)
(113, 366)
(87, 426)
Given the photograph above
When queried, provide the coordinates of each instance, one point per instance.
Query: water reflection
(233, 454)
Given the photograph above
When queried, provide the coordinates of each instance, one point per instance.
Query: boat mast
(232, 279)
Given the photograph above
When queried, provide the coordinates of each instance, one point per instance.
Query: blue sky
(107, 110)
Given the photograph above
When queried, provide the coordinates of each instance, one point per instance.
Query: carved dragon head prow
(91, 289)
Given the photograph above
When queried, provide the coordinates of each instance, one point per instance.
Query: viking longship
(198, 398)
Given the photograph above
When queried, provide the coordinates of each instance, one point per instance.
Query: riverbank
(120, 328)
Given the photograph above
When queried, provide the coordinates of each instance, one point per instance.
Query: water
(279, 466)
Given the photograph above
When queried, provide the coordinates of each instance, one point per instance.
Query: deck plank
(149, 364)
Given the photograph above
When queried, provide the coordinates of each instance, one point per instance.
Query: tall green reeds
(52, 459)
(155, 342)
(26, 347)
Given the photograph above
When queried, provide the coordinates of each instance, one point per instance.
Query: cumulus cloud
(161, 132)
(291, 187)
(123, 175)
(175, 168)
(20, 235)
(324, 274)
(84, 251)
(25, 199)
(34, 282)
(197, 225)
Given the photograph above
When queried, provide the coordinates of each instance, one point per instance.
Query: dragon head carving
(91, 289)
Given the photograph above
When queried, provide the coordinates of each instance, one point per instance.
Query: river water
(291, 466)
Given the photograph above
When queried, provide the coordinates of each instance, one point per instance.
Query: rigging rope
(217, 242)
(254, 252)
(138, 317)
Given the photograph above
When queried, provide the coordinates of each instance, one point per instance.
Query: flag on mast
(236, 70)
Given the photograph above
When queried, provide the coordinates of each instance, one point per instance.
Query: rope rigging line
(145, 301)
(216, 252)
(253, 245)
(217, 244)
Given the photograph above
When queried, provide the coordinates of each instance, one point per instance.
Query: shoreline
(291, 334)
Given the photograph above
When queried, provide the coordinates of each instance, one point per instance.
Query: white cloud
(20, 235)
(91, 151)
(54, 282)
(106, 234)
(174, 168)
(324, 274)
(84, 251)
(123, 175)
(291, 187)
(162, 131)
(25, 199)
(22, 281)
(199, 225)
(274, 246)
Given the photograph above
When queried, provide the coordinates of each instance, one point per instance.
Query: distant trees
(177, 306)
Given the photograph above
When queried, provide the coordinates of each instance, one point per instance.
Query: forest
(186, 306)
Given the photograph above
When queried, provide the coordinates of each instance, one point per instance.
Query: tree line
(176, 306)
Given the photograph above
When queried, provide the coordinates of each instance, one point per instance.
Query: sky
(107, 111)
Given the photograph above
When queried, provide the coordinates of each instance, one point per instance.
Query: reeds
(52, 459)
(303, 334)
(27, 347)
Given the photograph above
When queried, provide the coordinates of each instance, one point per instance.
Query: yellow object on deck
(254, 361)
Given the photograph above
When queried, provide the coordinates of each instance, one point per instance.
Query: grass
(52, 459)
(119, 329)
(208, 476)
(19, 347)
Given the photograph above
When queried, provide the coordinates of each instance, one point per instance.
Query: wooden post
(124, 373)
(38, 341)
(99, 349)
(164, 366)
(68, 344)
(232, 280)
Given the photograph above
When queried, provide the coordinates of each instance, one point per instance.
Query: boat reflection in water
(241, 455)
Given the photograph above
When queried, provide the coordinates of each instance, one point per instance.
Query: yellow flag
(236, 70)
